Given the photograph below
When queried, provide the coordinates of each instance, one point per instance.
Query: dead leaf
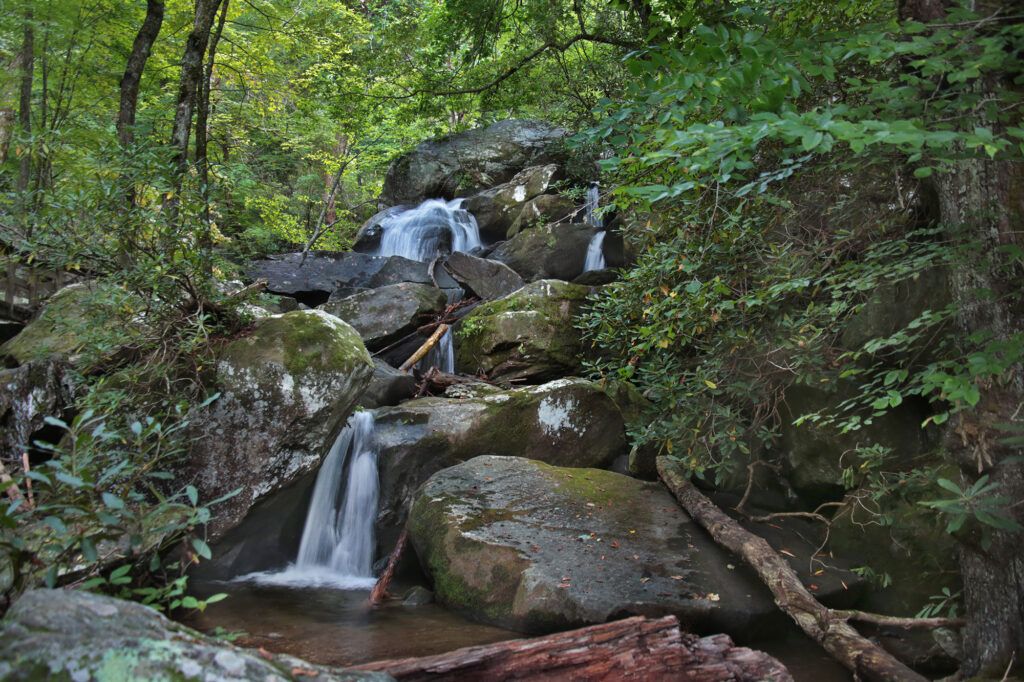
(264, 654)
(615, 544)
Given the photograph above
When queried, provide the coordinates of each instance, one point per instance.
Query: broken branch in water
(862, 657)
(380, 589)
(425, 348)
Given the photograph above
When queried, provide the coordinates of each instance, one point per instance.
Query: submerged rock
(487, 279)
(526, 336)
(536, 548)
(469, 161)
(553, 251)
(384, 315)
(568, 422)
(69, 635)
(495, 209)
(285, 391)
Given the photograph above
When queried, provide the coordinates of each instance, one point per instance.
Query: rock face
(538, 548)
(487, 279)
(57, 329)
(285, 390)
(465, 162)
(569, 422)
(386, 314)
(554, 251)
(547, 208)
(68, 635)
(324, 272)
(28, 394)
(495, 209)
(527, 336)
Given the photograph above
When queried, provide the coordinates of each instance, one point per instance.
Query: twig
(380, 589)
(897, 621)
(28, 481)
(425, 348)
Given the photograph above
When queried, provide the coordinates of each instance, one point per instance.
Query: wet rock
(568, 422)
(536, 548)
(460, 164)
(526, 336)
(554, 251)
(384, 315)
(369, 234)
(69, 635)
(388, 386)
(322, 273)
(285, 391)
(487, 279)
(547, 208)
(496, 208)
(417, 596)
(29, 394)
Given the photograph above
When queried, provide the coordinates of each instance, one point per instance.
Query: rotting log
(865, 659)
(380, 589)
(636, 648)
(425, 348)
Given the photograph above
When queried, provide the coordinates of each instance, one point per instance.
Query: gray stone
(487, 279)
(29, 394)
(285, 391)
(459, 164)
(77, 636)
(388, 386)
(417, 596)
(384, 315)
(536, 548)
(547, 208)
(526, 336)
(554, 251)
(496, 208)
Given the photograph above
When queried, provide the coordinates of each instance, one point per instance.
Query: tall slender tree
(142, 47)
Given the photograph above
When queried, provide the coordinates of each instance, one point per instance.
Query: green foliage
(101, 512)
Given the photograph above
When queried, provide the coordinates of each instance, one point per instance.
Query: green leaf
(112, 501)
(192, 494)
(202, 549)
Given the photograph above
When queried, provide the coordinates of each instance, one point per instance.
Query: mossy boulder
(526, 336)
(384, 315)
(551, 251)
(537, 548)
(469, 161)
(547, 208)
(72, 316)
(495, 209)
(67, 636)
(285, 391)
(568, 422)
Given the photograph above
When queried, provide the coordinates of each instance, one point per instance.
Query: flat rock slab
(537, 548)
(488, 279)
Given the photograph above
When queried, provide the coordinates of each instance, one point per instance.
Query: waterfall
(337, 541)
(590, 207)
(433, 228)
(595, 253)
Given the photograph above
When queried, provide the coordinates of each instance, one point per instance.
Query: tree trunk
(635, 648)
(981, 201)
(25, 99)
(203, 111)
(141, 49)
(188, 84)
(865, 659)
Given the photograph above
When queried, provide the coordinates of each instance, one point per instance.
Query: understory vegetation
(820, 202)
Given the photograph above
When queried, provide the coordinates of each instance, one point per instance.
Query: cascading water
(433, 228)
(337, 541)
(595, 253)
(590, 206)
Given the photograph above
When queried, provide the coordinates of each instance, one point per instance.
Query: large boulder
(568, 422)
(469, 161)
(547, 208)
(487, 279)
(69, 635)
(388, 386)
(285, 391)
(553, 251)
(496, 208)
(384, 315)
(536, 548)
(526, 336)
(313, 280)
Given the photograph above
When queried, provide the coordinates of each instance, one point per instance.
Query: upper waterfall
(433, 228)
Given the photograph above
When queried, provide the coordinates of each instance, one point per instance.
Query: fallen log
(636, 648)
(380, 589)
(425, 348)
(865, 659)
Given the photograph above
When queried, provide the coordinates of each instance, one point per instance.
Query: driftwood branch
(863, 658)
(380, 590)
(898, 622)
(425, 348)
(635, 648)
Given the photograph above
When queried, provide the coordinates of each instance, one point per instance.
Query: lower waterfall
(338, 542)
(595, 253)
